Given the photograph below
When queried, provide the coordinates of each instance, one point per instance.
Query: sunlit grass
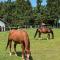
(40, 49)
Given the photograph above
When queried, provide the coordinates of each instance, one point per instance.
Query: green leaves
(53, 7)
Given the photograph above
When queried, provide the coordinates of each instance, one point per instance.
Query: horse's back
(44, 30)
(18, 35)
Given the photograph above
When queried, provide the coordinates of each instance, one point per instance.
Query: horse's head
(28, 54)
(27, 50)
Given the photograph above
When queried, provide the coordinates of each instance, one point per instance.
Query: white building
(2, 26)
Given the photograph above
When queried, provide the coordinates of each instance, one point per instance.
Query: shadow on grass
(31, 58)
(20, 54)
(44, 39)
(41, 39)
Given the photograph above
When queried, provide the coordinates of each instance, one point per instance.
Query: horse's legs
(48, 35)
(10, 47)
(36, 33)
(23, 50)
(15, 48)
(39, 34)
(52, 34)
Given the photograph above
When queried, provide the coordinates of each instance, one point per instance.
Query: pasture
(41, 49)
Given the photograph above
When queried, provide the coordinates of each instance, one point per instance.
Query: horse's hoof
(27, 58)
(47, 38)
(10, 54)
(15, 54)
(23, 59)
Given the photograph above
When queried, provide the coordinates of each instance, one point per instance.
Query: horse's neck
(27, 44)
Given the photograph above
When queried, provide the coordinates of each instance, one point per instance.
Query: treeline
(21, 12)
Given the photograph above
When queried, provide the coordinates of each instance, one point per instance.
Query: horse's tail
(36, 33)
(7, 44)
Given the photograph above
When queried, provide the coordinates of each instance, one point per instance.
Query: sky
(33, 2)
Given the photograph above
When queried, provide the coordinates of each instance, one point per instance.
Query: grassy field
(40, 49)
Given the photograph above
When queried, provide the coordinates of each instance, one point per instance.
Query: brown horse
(44, 30)
(19, 37)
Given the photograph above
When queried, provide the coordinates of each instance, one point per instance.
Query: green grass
(40, 49)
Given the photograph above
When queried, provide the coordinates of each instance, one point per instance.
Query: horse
(19, 37)
(44, 30)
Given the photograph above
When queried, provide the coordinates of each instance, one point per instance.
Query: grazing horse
(19, 37)
(44, 30)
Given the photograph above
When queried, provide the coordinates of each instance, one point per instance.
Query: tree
(53, 8)
(39, 5)
(28, 8)
(9, 0)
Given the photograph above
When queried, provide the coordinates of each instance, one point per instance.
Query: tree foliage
(53, 7)
(22, 12)
(39, 5)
